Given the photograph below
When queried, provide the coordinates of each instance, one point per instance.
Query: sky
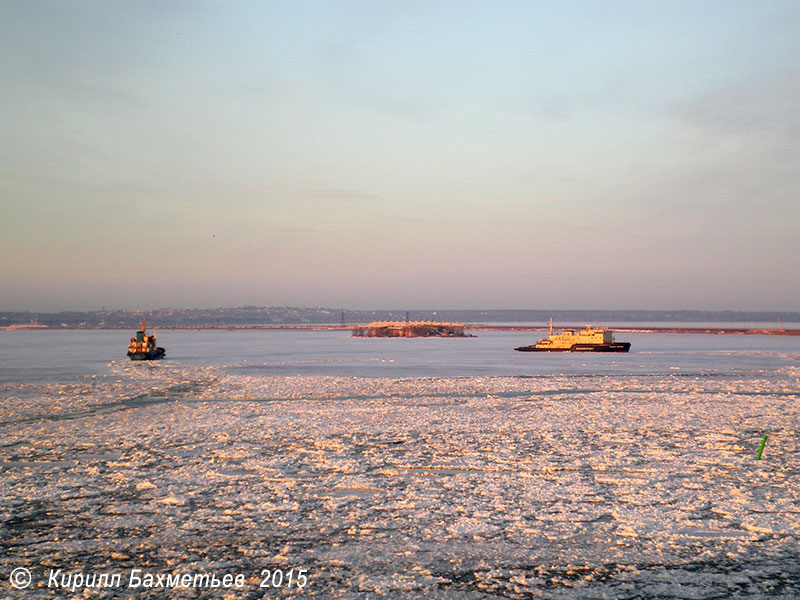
(400, 155)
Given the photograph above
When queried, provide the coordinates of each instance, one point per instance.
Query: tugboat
(143, 346)
(591, 339)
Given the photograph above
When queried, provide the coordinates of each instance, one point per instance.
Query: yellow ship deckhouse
(591, 339)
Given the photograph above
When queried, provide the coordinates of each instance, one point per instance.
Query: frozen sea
(399, 468)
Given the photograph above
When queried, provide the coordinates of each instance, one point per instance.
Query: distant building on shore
(410, 329)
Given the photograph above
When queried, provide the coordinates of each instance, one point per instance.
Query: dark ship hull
(614, 347)
(154, 354)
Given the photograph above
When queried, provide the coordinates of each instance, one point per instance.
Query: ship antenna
(551, 325)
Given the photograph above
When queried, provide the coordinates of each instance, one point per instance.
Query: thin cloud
(766, 106)
(337, 195)
(294, 231)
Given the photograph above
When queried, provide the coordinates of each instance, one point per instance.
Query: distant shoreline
(647, 329)
(468, 326)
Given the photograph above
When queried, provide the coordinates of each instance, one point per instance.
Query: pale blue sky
(400, 154)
